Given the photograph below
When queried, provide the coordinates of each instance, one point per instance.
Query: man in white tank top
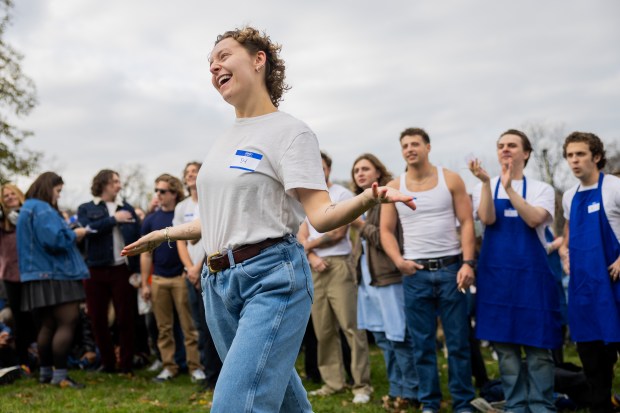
(437, 270)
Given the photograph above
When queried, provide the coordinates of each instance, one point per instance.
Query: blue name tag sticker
(511, 213)
(594, 207)
(246, 160)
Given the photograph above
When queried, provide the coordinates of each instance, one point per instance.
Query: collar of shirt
(97, 200)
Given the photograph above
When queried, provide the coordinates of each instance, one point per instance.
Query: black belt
(219, 261)
(435, 264)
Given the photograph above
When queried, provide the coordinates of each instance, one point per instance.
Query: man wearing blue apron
(518, 303)
(592, 258)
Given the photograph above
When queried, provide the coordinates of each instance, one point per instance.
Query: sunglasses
(162, 191)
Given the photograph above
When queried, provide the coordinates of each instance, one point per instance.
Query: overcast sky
(125, 82)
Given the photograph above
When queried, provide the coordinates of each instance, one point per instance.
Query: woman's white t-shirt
(246, 186)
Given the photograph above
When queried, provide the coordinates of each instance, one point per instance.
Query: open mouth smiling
(222, 80)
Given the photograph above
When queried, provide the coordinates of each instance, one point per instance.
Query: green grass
(110, 393)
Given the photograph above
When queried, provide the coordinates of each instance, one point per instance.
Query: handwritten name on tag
(246, 160)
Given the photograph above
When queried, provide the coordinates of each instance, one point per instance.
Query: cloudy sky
(123, 82)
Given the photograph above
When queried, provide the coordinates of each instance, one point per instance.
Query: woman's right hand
(147, 243)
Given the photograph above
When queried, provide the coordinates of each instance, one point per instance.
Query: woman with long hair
(51, 270)
(259, 181)
(380, 298)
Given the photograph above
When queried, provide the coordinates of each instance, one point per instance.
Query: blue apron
(555, 264)
(593, 300)
(517, 297)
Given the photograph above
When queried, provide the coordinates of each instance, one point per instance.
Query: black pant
(309, 345)
(24, 329)
(598, 361)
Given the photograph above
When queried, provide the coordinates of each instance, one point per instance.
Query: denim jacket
(99, 245)
(46, 247)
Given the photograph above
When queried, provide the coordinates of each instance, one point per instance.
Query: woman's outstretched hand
(387, 195)
(147, 243)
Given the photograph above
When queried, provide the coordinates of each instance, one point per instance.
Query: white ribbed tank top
(430, 230)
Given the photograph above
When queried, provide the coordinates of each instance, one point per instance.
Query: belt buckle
(433, 265)
(209, 261)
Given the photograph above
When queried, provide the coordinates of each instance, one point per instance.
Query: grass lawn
(111, 393)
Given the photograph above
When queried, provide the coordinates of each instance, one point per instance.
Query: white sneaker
(361, 398)
(164, 376)
(157, 365)
(198, 376)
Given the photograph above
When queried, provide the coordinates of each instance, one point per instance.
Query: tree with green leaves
(17, 99)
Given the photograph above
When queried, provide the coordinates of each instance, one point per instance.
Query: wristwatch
(471, 263)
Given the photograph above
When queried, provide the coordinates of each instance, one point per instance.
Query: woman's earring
(258, 68)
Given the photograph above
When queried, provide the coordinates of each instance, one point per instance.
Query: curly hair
(174, 184)
(254, 41)
(100, 180)
(384, 175)
(594, 144)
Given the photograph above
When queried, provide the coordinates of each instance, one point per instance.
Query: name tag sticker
(246, 160)
(594, 207)
(511, 213)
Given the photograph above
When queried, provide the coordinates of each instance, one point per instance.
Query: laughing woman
(259, 181)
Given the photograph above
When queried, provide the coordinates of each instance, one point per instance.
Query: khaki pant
(335, 306)
(167, 294)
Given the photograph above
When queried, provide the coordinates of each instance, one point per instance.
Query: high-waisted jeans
(257, 313)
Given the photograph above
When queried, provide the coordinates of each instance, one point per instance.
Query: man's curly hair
(254, 41)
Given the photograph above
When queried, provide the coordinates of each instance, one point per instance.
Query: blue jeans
(399, 364)
(428, 294)
(209, 358)
(257, 313)
(526, 388)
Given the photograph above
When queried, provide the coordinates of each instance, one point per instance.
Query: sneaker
(361, 398)
(323, 391)
(157, 365)
(69, 383)
(198, 376)
(163, 376)
(9, 374)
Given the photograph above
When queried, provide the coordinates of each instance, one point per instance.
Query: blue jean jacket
(100, 244)
(46, 247)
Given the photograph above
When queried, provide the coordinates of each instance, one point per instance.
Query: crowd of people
(257, 254)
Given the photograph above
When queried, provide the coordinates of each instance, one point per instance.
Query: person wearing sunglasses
(168, 290)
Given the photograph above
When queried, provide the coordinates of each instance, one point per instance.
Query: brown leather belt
(436, 264)
(219, 261)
